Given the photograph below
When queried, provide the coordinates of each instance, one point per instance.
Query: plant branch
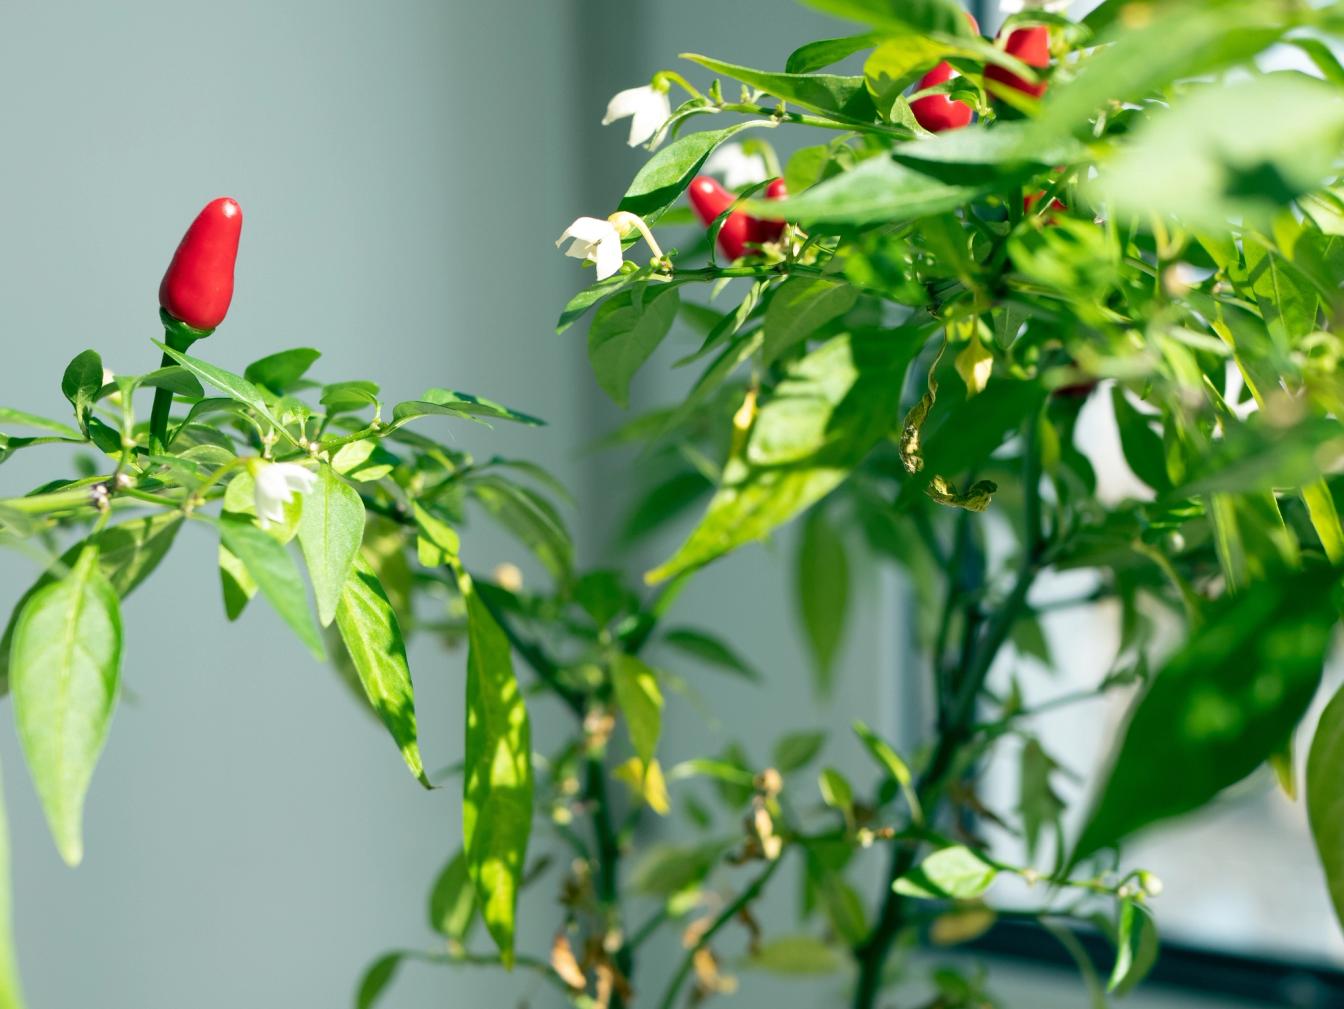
(725, 916)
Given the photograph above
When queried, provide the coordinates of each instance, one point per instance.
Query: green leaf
(452, 902)
(1038, 804)
(1242, 149)
(1184, 41)
(127, 554)
(1136, 947)
(331, 528)
(625, 331)
(978, 155)
(845, 96)
(799, 310)
(821, 585)
(80, 384)
(175, 379)
(637, 694)
(65, 667)
(955, 873)
(797, 749)
(237, 586)
(1219, 707)
(1325, 797)
(890, 761)
(901, 16)
(368, 626)
(11, 994)
(1287, 302)
(836, 791)
(376, 979)
(666, 175)
(9, 415)
(436, 542)
(816, 55)
(234, 386)
(795, 954)
(711, 650)
(451, 403)
(497, 783)
(281, 372)
(821, 421)
(878, 191)
(530, 518)
(1142, 445)
(666, 869)
(276, 575)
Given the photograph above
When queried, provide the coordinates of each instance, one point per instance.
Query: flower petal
(607, 256)
(587, 229)
(626, 103)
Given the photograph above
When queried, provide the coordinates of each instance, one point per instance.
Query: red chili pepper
(1030, 200)
(769, 229)
(937, 113)
(198, 286)
(1032, 47)
(710, 200)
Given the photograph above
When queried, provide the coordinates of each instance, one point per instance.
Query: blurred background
(252, 837)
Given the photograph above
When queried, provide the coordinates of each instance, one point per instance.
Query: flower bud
(198, 285)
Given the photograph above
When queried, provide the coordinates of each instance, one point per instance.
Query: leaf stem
(730, 912)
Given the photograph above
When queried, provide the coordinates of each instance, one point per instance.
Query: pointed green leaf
(797, 750)
(1325, 797)
(799, 310)
(666, 175)
(822, 92)
(331, 528)
(625, 331)
(1136, 946)
(276, 575)
(234, 386)
(711, 650)
(368, 626)
(497, 783)
(65, 666)
(637, 694)
(821, 583)
(80, 384)
(1220, 706)
(821, 420)
(282, 371)
(955, 873)
(452, 902)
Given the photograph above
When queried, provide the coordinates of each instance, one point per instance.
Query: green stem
(823, 122)
(730, 912)
(180, 337)
(958, 729)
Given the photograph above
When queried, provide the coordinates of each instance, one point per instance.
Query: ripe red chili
(937, 113)
(198, 285)
(1032, 47)
(710, 200)
(769, 229)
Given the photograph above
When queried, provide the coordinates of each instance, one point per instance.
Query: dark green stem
(179, 336)
(958, 726)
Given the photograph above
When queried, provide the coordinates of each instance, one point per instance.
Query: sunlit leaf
(65, 667)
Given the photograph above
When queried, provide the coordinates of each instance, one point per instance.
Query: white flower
(275, 484)
(595, 239)
(737, 167)
(647, 108)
